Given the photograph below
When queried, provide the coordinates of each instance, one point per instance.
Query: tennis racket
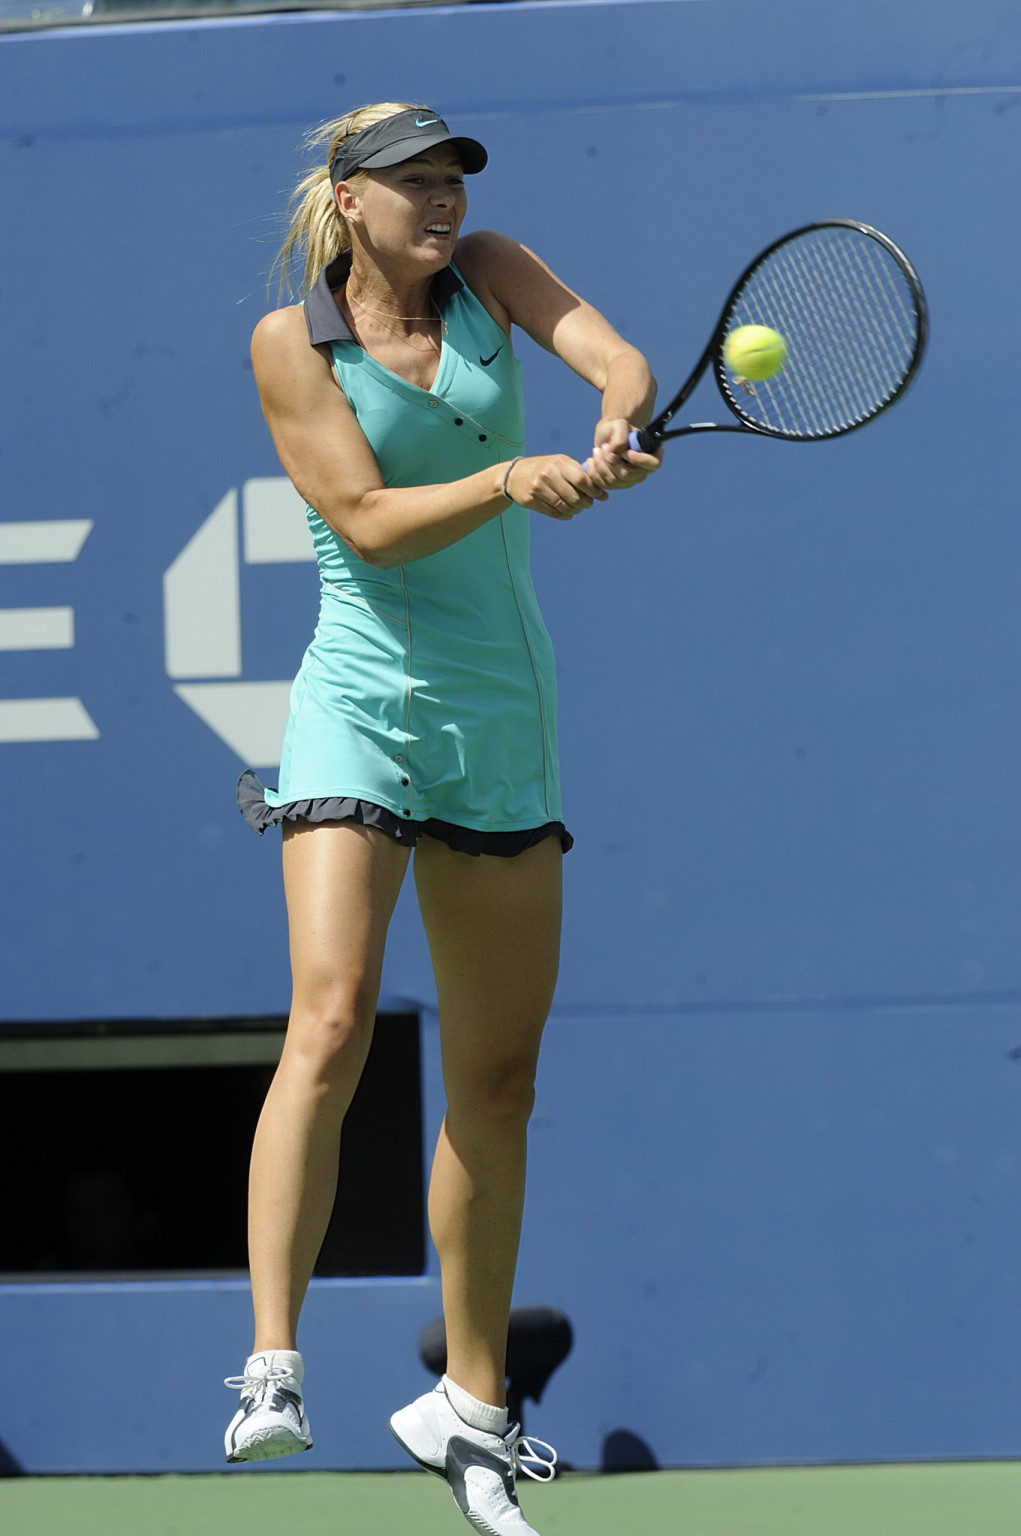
(851, 310)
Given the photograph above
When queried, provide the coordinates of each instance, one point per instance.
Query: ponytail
(317, 231)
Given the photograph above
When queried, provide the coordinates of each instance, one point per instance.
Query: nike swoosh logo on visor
(485, 361)
(424, 122)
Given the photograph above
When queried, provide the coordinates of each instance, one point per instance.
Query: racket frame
(648, 438)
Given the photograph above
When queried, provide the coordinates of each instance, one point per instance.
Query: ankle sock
(483, 1416)
(289, 1359)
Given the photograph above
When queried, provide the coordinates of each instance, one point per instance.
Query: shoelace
(523, 1450)
(252, 1379)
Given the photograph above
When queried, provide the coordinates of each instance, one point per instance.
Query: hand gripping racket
(850, 308)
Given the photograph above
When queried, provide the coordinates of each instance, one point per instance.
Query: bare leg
(341, 882)
(494, 934)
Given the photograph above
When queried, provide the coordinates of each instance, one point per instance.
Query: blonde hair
(317, 231)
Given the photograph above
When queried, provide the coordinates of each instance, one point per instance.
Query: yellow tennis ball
(754, 352)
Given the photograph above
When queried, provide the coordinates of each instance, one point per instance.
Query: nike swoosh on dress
(485, 361)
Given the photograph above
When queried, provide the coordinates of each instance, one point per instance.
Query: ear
(347, 202)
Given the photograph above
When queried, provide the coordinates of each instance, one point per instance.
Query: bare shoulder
(279, 333)
(488, 261)
(515, 284)
(485, 252)
(506, 266)
(290, 373)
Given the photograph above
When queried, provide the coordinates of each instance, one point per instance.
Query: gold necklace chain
(384, 314)
(431, 345)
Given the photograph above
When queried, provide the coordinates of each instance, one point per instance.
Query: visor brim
(472, 154)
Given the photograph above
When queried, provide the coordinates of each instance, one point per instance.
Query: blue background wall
(775, 1154)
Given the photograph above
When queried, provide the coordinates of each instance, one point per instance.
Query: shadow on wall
(538, 1340)
(8, 1466)
(625, 1452)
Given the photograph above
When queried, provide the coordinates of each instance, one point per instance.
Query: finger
(577, 484)
(600, 470)
(613, 436)
(616, 464)
(614, 473)
(568, 507)
(593, 480)
(560, 510)
(572, 491)
(601, 487)
(645, 461)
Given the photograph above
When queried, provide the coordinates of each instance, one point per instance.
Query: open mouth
(438, 229)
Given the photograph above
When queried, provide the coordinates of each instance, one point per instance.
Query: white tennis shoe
(479, 1467)
(270, 1420)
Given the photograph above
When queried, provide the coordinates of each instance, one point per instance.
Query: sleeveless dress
(427, 698)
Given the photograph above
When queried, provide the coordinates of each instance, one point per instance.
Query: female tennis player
(423, 717)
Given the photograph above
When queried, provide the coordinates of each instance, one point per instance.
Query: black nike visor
(400, 137)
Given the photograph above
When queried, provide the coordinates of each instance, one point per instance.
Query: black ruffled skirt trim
(504, 845)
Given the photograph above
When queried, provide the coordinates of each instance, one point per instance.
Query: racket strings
(823, 387)
(850, 319)
(831, 340)
(802, 400)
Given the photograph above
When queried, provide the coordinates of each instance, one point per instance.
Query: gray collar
(322, 313)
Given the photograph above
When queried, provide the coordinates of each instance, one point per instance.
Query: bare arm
(329, 460)
(519, 287)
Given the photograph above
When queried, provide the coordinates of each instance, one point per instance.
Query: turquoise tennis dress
(426, 701)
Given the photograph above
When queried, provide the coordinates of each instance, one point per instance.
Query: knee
(329, 1040)
(503, 1093)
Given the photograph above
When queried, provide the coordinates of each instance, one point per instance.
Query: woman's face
(410, 211)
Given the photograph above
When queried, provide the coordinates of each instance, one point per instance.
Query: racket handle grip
(641, 440)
